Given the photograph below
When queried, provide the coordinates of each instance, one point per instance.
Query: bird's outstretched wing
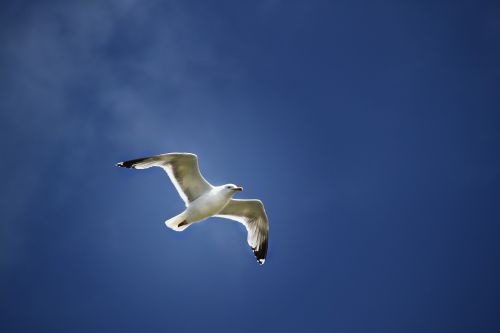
(252, 215)
(183, 170)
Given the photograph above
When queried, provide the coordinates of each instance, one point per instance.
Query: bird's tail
(178, 223)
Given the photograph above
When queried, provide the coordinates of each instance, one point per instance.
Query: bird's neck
(221, 192)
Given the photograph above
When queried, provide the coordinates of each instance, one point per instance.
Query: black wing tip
(130, 164)
(124, 165)
(261, 254)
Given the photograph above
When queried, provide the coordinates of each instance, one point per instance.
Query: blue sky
(369, 129)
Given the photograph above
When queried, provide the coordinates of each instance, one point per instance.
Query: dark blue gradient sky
(370, 130)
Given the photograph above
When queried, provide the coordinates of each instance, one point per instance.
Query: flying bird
(204, 200)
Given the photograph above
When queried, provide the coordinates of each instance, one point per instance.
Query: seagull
(204, 200)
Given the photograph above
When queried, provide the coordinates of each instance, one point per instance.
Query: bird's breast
(205, 206)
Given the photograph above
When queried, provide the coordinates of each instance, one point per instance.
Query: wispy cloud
(82, 76)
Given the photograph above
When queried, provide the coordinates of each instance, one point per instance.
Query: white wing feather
(252, 215)
(182, 169)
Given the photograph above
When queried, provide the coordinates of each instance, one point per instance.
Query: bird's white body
(209, 204)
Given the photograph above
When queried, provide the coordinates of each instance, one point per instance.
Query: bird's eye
(228, 186)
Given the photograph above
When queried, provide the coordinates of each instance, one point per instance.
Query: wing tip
(260, 254)
(125, 165)
(130, 164)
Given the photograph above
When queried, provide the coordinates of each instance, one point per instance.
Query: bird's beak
(239, 189)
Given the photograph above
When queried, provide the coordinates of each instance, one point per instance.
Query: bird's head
(231, 188)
